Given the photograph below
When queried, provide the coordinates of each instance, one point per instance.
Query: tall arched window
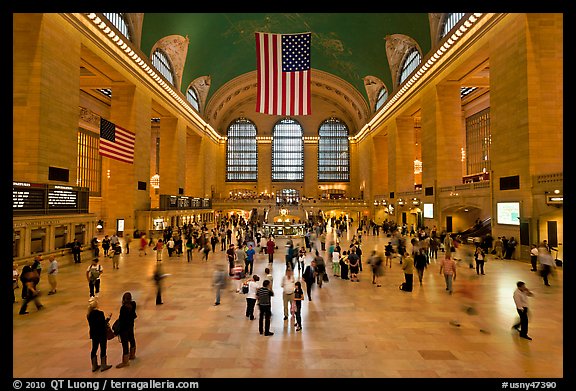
(287, 151)
(192, 98)
(241, 152)
(119, 21)
(411, 61)
(381, 98)
(162, 64)
(333, 151)
(450, 20)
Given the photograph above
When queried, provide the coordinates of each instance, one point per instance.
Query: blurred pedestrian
(218, 281)
(448, 269)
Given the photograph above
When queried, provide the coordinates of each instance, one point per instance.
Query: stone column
(131, 110)
(172, 155)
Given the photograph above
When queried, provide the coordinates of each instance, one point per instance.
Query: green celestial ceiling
(348, 45)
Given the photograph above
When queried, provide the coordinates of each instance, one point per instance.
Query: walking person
(127, 243)
(126, 332)
(309, 278)
(408, 268)
(250, 254)
(76, 250)
(546, 261)
(420, 263)
(375, 261)
(97, 323)
(319, 269)
(270, 247)
(448, 269)
(520, 296)
(143, 245)
(15, 278)
(264, 295)
(344, 266)
(189, 248)
(158, 277)
(388, 253)
(52, 273)
(115, 253)
(218, 281)
(336, 261)
(30, 292)
(94, 246)
(354, 263)
(93, 274)
(534, 258)
(287, 284)
(298, 298)
(106, 245)
(253, 285)
(159, 249)
(479, 256)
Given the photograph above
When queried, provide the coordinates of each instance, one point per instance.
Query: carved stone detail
(435, 19)
(397, 45)
(373, 86)
(176, 48)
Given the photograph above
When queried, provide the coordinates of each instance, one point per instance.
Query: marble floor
(350, 330)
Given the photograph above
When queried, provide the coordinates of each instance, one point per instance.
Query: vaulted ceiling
(350, 46)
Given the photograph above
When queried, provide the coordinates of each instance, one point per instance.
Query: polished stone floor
(350, 330)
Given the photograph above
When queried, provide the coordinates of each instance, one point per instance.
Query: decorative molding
(435, 20)
(88, 119)
(202, 87)
(373, 85)
(176, 47)
(397, 45)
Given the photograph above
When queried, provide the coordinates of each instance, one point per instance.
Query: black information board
(41, 198)
(171, 202)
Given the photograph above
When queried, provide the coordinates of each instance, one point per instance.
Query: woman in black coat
(97, 322)
(126, 332)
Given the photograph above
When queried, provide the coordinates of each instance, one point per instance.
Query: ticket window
(37, 240)
(79, 233)
(60, 237)
(16, 240)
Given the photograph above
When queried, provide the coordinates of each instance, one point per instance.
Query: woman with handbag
(126, 331)
(98, 334)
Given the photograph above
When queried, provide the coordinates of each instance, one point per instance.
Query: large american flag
(116, 142)
(283, 64)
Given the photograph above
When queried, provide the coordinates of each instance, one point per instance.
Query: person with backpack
(93, 274)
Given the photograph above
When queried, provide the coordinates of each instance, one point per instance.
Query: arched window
(333, 151)
(192, 98)
(381, 98)
(411, 61)
(287, 151)
(241, 152)
(450, 20)
(119, 21)
(162, 64)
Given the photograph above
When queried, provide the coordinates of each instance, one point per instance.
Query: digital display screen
(62, 199)
(26, 198)
(508, 213)
(428, 211)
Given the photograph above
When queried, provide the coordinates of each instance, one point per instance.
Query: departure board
(41, 198)
(28, 198)
(62, 197)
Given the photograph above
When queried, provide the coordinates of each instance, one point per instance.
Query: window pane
(287, 151)
(241, 152)
(333, 152)
(478, 140)
(119, 21)
(89, 165)
(412, 61)
(451, 20)
(162, 64)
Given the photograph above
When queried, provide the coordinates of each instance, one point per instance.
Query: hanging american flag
(116, 142)
(283, 64)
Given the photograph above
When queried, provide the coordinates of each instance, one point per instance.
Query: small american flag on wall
(116, 142)
(283, 64)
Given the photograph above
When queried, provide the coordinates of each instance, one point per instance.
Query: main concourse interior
(130, 123)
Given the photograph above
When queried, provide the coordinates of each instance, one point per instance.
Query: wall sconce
(100, 224)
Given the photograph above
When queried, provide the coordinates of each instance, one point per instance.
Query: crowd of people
(310, 264)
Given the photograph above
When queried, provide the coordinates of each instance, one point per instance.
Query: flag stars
(296, 52)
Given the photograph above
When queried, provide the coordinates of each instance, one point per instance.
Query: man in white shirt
(288, 285)
(521, 300)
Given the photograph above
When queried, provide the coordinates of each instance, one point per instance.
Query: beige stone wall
(46, 98)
